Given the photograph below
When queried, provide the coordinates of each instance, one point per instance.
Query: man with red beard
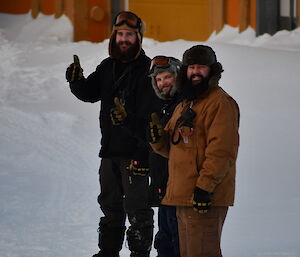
(201, 141)
(121, 83)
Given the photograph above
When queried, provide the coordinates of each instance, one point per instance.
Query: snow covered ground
(49, 140)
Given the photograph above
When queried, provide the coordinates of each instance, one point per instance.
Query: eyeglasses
(162, 61)
(129, 18)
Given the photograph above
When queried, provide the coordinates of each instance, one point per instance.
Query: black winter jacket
(157, 163)
(129, 82)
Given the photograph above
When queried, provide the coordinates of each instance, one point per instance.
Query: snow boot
(104, 254)
(110, 240)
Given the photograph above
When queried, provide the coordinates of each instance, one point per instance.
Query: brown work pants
(200, 234)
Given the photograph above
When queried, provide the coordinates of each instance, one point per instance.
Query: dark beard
(126, 56)
(191, 92)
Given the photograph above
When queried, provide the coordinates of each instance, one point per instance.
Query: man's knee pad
(140, 239)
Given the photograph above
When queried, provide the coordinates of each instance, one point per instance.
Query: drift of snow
(50, 140)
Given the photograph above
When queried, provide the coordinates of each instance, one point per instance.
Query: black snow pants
(123, 194)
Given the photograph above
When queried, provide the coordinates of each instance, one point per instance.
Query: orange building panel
(253, 13)
(232, 10)
(15, 6)
(98, 24)
(47, 7)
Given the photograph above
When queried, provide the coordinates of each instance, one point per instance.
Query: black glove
(139, 168)
(201, 200)
(118, 113)
(155, 130)
(74, 72)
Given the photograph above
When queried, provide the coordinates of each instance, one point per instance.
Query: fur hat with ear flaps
(203, 55)
(139, 29)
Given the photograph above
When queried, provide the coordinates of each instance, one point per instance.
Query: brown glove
(74, 72)
(118, 113)
(155, 130)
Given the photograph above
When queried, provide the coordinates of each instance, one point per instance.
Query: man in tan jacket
(201, 141)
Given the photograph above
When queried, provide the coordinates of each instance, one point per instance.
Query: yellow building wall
(174, 19)
(166, 20)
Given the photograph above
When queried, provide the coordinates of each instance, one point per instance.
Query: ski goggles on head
(128, 18)
(162, 61)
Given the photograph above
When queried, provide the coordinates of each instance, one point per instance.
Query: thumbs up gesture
(118, 113)
(74, 72)
(155, 129)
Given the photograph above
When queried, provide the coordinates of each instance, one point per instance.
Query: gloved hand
(74, 72)
(155, 130)
(139, 168)
(118, 113)
(202, 200)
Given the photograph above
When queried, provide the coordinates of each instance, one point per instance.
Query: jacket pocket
(183, 137)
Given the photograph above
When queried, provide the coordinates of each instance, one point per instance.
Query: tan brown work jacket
(207, 158)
